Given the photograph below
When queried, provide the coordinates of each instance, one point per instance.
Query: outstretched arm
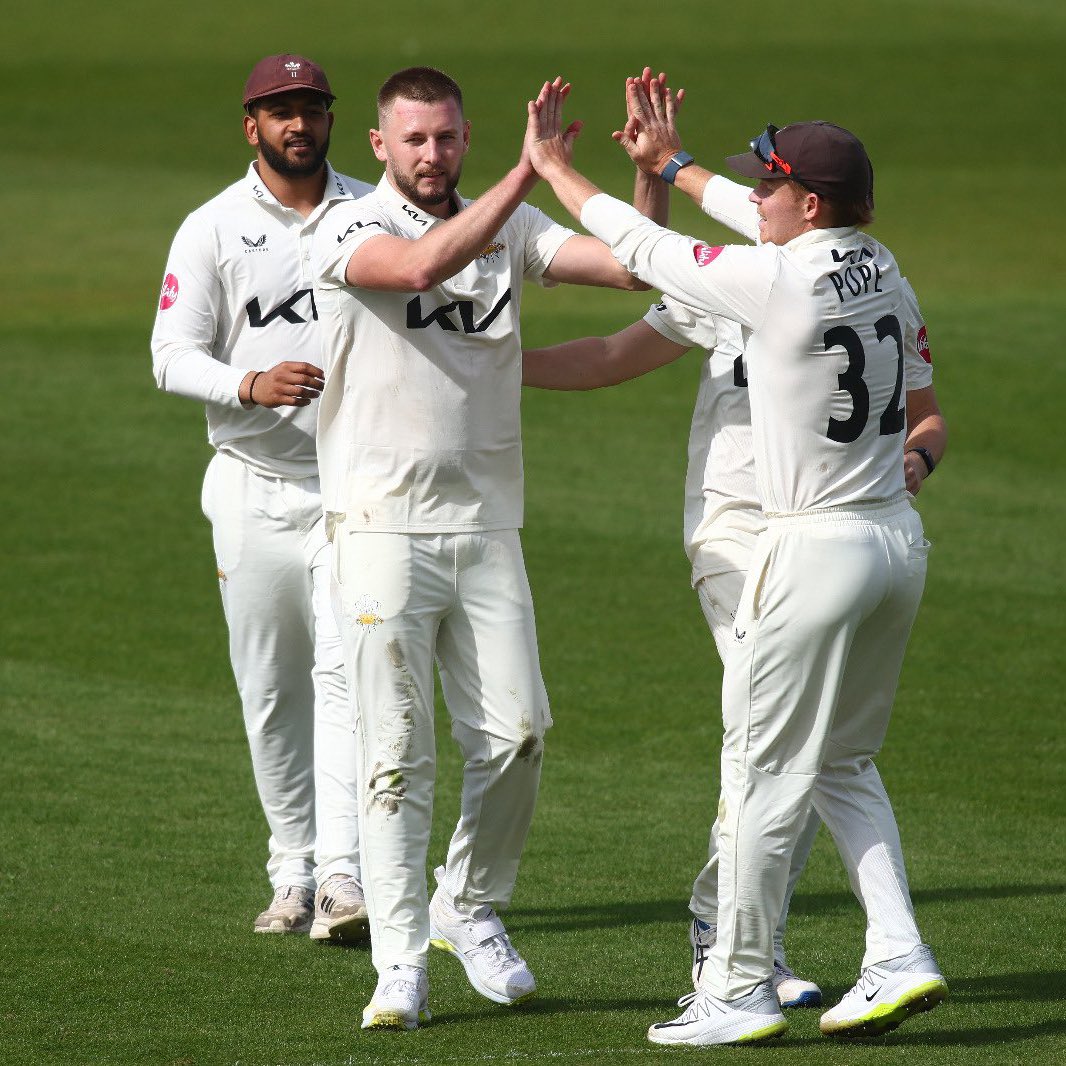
(398, 264)
(596, 362)
(583, 260)
(650, 136)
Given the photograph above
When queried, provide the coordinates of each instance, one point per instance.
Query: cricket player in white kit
(420, 450)
(836, 579)
(237, 330)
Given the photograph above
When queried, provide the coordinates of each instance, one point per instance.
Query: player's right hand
(287, 385)
(548, 146)
(650, 134)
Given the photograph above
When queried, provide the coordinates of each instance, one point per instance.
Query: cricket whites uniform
(420, 451)
(238, 296)
(722, 513)
(833, 584)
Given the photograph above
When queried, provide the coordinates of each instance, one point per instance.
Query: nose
(431, 150)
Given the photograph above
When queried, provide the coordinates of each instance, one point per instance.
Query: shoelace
(401, 982)
(346, 891)
(503, 950)
(867, 978)
(286, 892)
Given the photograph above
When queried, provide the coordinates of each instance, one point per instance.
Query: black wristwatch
(677, 161)
(930, 463)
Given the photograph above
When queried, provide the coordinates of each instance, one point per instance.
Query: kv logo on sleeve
(285, 310)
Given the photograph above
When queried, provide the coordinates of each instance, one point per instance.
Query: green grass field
(132, 846)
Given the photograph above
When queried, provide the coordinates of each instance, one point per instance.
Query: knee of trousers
(525, 743)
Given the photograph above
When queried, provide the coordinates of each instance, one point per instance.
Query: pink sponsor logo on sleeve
(705, 254)
(923, 346)
(168, 295)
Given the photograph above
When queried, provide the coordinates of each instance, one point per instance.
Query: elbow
(634, 284)
(420, 281)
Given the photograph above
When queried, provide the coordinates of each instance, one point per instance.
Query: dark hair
(426, 85)
(841, 212)
(850, 214)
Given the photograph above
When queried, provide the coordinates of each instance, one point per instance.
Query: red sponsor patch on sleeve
(168, 295)
(923, 346)
(705, 254)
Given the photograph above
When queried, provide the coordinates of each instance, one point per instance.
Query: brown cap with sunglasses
(824, 158)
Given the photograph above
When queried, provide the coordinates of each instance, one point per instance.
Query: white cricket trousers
(464, 598)
(274, 573)
(819, 635)
(719, 598)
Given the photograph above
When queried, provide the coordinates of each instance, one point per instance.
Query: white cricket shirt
(419, 423)
(237, 296)
(722, 512)
(824, 325)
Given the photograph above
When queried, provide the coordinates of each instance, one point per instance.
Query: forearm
(651, 197)
(926, 426)
(418, 265)
(692, 180)
(573, 190)
(931, 433)
(729, 203)
(187, 370)
(574, 366)
(598, 362)
(927, 435)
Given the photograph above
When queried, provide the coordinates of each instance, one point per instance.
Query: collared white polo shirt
(237, 296)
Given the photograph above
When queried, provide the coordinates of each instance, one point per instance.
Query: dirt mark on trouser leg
(387, 787)
(530, 746)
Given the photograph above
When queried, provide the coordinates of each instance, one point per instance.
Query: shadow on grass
(947, 1034)
(653, 911)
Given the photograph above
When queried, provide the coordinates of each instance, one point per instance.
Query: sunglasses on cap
(765, 148)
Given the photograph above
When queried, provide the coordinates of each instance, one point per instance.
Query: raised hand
(548, 146)
(650, 134)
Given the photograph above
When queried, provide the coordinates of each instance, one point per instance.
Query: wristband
(255, 377)
(677, 161)
(930, 464)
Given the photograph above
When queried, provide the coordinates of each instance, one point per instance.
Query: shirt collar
(817, 236)
(422, 218)
(335, 189)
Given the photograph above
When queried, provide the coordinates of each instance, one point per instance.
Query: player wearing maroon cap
(835, 580)
(237, 330)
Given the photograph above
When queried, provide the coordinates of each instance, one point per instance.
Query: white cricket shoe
(887, 994)
(481, 944)
(701, 936)
(340, 911)
(709, 1020)
(400, 1001)
(791, 990)
(288, 912)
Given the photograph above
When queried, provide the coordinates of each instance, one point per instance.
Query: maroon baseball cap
(824, 158)
(282, 74)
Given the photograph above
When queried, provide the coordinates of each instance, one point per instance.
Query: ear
(466, 137)
(377, 143)
(251, 131)
(330, 116)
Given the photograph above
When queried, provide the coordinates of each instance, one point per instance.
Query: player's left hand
(548, 146)
(650, 134)
(914, 471)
